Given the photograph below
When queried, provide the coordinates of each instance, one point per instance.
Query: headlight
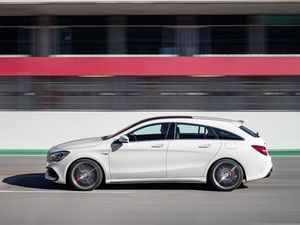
(57, 156)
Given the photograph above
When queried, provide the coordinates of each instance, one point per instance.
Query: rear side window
(193, 131)
(225, 135)
(248, 131)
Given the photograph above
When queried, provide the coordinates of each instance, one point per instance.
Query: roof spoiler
(218, 119)
(241, 121)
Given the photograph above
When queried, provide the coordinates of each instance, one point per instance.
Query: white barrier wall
(41, 130)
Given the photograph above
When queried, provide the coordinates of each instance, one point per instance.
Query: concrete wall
(41, 130)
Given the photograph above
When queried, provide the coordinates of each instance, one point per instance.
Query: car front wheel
(85, 175)
(226, 175)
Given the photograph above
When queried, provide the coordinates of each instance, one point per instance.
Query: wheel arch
(214, 162)
(98, 163)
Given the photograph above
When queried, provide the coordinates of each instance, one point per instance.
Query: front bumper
(55, 172)
(51, 175)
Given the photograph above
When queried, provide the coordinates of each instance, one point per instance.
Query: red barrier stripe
(150, 66)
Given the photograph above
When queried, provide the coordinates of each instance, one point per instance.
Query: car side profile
(218, 151)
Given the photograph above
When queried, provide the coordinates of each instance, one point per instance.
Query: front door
(144, 156)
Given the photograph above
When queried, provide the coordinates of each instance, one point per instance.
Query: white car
(221, 152)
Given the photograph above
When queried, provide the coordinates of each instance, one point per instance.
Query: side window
(225, 135)
(193, 131)
(150, 132)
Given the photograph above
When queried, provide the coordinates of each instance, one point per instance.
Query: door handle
(204, 146)
(157, 146)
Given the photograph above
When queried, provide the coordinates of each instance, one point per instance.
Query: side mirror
(124, 139)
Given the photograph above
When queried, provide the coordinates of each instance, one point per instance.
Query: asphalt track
(27, 199)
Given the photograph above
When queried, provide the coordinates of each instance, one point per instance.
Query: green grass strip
(282, 152)
(23, 151)
(285, 152)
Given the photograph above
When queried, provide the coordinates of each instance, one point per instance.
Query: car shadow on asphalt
(164, 186)
(38, 181)
(33, 180)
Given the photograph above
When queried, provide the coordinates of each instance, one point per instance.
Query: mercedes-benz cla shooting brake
(221, 152)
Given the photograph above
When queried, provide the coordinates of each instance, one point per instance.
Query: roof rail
(166, 117)
(218, 119)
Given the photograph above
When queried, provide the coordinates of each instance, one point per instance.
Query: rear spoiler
(241, 121)
(236, 122)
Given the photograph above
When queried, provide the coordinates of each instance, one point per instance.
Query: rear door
(191, 150)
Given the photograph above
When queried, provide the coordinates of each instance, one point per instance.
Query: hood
(81, 143)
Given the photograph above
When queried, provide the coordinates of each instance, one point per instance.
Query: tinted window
(144, 40)
(150, 132)
(283, 39)
(83, 40)
(248, 131)
(15, 40)
(193, 131)
(225, 135)
(229, 40)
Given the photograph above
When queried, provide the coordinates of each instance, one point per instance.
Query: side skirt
(159, 180)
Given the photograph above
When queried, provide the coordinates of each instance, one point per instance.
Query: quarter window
(150, 132)
(225, 135)
(193, 131)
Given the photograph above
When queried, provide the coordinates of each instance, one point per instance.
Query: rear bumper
(260, 167)
(269, 174)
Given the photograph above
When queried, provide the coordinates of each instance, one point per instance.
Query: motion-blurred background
(222, 32)
(163, 55)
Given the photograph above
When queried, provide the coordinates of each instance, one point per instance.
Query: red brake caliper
(77, 175)
(233, 172)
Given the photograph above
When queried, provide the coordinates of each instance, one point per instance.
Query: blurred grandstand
(150, 55)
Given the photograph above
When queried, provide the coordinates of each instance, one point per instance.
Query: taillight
(261, 149)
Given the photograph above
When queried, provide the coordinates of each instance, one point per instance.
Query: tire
(85, 175)
(226, 175)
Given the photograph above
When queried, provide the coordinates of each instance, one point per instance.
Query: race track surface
(26, 198)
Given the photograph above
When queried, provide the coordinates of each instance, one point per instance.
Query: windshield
(248, 131)
(121, 131)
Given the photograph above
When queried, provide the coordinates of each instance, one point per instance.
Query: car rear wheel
(226, 175)
(85, 175)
